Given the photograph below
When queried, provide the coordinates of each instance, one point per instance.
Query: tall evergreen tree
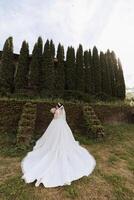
(105, 74)
(59, 72)
(34, 69)
(96, 71)
(87, 74)
(7, 67)
(108, 69)
(35, 72)
(21, 77)
(80, 69)
(111, 72)
(44, 64)
(91, 73)
(121, 82)
(40, 58)
(115, 72)
(70, 69)
(52, 49)
(48, 70)
(90, 57)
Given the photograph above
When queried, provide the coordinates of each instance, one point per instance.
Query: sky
(106, 24)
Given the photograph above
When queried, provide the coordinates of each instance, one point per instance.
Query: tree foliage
(88, 72)
(7, 67)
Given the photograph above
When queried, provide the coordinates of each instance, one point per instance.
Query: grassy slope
(112, 178)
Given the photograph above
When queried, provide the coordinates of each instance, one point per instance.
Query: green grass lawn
(112, 179)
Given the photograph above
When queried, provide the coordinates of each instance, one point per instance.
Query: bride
(57, 158)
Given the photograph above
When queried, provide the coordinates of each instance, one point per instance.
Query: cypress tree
(96, 71)
(105, 74)
(70, 69)
(44, 64)
(115, 73)
(121, 82)
(90, 57)
(21, 77)
(111, 72)
(79, 69)
(48, 70)
(91, 73)
(108, 72)
(87, 75)
(35, 74)
(7, 67)
(52, 49)
(108, 75)
(40, 58)
(34, 69)
(59, 72)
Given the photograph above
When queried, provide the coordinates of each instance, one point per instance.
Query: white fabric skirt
(57, 158)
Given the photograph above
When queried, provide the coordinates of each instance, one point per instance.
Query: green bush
(26, 122)
(29, 110)
(77, 95)
(28, 116)
(102, 96)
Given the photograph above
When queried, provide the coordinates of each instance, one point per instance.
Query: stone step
(26, 124)
(94, 126)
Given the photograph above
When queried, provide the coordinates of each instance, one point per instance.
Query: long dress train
(57, 158)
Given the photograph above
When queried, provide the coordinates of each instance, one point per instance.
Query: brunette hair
(59, 104)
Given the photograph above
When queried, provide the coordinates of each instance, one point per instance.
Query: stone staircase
(93, 124)
(26, 124)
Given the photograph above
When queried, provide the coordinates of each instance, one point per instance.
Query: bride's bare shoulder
(52, 110)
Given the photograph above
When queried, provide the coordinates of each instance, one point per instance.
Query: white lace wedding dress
(57, 158)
